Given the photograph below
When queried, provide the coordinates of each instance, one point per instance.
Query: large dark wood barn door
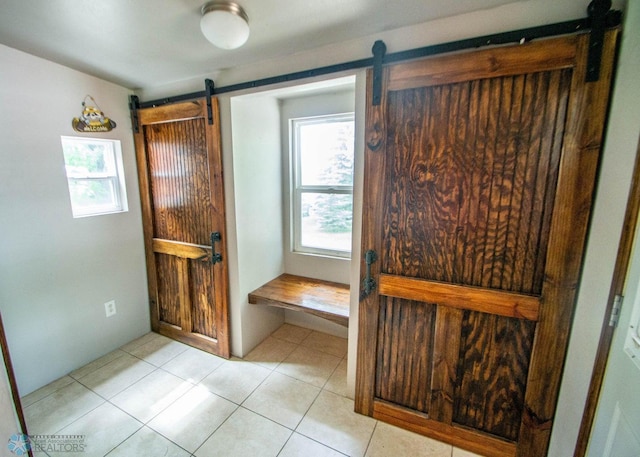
(180, 172)
(479, 178)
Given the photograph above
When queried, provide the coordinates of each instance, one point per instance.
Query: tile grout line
(284, 445)
(200, 380)
(366, 449)
(331, 375)
(216, 429)
(117, 445)
(305, 415)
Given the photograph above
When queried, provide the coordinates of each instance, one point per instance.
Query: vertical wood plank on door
(476, 202)
(445, 363)
(531, 205)
(371, 211)
(508, 198)
(202, 321)
(184, 294)
(168, 289)
(552, 141)
(582, 141)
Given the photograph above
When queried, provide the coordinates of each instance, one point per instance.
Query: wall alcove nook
(255, 137)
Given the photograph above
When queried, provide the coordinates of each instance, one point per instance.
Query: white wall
(252, 170)
(56, 272)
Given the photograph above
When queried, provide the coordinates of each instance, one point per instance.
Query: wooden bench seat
(325, 299)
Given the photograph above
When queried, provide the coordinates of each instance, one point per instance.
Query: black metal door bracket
(379, 49)
(208, 84)
(215, 256)
(134, 106)
(598, 11)
(369, 284)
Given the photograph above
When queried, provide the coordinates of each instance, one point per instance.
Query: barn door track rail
(600, 17)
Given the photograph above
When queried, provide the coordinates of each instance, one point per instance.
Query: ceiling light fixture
(224, 24)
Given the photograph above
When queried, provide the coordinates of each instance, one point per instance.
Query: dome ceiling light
(224, 24)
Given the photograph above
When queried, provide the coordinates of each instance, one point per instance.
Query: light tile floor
(158, 397)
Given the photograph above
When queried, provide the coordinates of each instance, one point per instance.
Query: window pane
(84, 158)
(326, 152)
(91, 194)
(326, 221)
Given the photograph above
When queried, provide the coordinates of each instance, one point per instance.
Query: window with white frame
(94, 175)
(322, 150)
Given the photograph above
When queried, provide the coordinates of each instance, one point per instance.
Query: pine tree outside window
(323, 184)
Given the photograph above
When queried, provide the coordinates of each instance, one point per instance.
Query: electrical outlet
(110, 308)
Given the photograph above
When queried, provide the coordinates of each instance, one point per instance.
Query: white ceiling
(147, 43)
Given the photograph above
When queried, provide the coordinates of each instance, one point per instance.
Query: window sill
(323, 256)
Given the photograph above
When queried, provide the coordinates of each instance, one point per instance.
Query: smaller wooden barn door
(479, 177)
(180, 171)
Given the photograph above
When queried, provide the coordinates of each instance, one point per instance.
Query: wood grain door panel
(180, 171)
(492, 373)
(475, 206)
(479, 176)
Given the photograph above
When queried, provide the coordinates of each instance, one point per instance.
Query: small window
(94, 175)
(323, 184)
